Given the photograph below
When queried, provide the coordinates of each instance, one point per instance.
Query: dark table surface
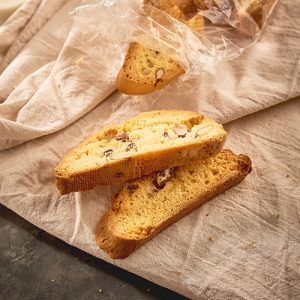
(36, 265)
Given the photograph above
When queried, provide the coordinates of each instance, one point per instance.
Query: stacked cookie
(170, 162)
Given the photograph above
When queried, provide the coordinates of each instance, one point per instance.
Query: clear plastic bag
(228, 27)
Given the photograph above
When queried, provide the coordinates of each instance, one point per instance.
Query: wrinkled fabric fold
(17, 31)
(10, 30)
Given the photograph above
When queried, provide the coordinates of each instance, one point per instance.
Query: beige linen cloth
(244, 244)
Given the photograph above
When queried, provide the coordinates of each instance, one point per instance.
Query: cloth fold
(17, 31)
(52, 92)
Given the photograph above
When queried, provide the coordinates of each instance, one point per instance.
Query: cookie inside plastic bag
(197, 34)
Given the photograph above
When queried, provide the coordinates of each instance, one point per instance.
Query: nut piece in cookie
(122, 137)
(181, 130)
(162, 177)
(160, 73)
(130, 146)
(108, 152)
(204, 130)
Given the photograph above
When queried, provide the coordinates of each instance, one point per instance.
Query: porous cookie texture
(145, 70)
(150, 142)
(148, 205)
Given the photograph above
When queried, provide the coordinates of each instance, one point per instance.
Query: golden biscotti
(150, 142)
(148, 205)
(145, 70)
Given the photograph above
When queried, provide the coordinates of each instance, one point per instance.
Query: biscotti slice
(204, 5)
(257, 9)
(187, 6)
(145, 70)
(168, 6)
(149, 142)
(148, 205)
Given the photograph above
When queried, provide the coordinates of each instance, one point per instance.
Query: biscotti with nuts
(148, 205)
(145, 70)
(150, 142)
